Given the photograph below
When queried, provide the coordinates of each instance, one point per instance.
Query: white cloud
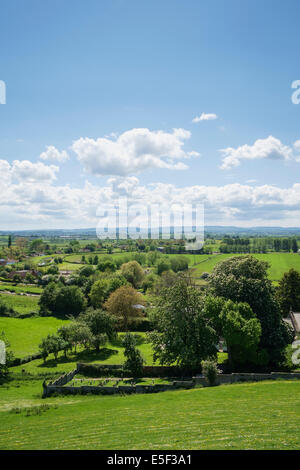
(38, 205)
(269, 148)
(51, 153)
(26, 171)
(5, 172)
(205, 117)
(133, 151)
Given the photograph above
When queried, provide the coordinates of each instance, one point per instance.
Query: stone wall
(121, 389)
(246, 377)
(58, 386)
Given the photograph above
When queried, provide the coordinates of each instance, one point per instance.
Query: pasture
(279, 263)
(20, 288)
(24, 335)
(21, 303)
(263, 415)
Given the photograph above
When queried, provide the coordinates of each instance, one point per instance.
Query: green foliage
(183, 335)
(178, 263)
(122, 304)
(210, 371)
(162, 265)
(133, 273)
(288, 292)
(101, 289)
(53, 269)
(5, 310)
(107, 266)
(101, 326)
(244, 279)
(52, 344)
(134, 361)
(62, 300)
(86, 271)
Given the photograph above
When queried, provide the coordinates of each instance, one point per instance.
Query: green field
(24, 335)
(10, 287)
(280, 263)
(21, 303)
(264, 415)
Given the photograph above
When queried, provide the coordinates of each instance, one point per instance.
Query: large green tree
(122, 303)
(133, 273)
(101, 325)
(238, 325)
(245, 279)
(184, 334)
(62, 300)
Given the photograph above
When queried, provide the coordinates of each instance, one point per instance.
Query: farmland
(203, 418)
(21, 304)
(24, 335)
(279, 263)
(262, 415)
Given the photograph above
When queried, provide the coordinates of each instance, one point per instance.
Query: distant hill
(209, 230)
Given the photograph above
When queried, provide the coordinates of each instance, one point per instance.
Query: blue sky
(88, 78)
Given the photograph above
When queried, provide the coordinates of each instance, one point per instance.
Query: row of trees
(91, 329)
(258, 245)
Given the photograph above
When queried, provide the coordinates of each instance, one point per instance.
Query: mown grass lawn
(264, 415)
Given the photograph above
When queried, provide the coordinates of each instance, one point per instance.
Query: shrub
(210, 371)
(134, 361)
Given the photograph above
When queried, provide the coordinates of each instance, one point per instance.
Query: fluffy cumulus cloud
(51, 153)
(42, 204)
(205, 117)
(25, 171)
(269, 148)
(134, 151)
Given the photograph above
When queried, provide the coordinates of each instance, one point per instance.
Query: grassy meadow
(20, 303)
(263, 415)
(24, 335)
(279, 263)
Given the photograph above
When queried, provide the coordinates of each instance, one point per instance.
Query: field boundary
(59, 385)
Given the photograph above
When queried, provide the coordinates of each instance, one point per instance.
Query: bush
(210, 371)
(134, 361)
(204, 275)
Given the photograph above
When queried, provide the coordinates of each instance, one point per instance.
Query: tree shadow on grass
(83, 356)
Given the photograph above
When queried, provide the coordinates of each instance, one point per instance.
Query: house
(294, 320)
(139, 307)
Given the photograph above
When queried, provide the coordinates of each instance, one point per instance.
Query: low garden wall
(246, 377)
(59, 385)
